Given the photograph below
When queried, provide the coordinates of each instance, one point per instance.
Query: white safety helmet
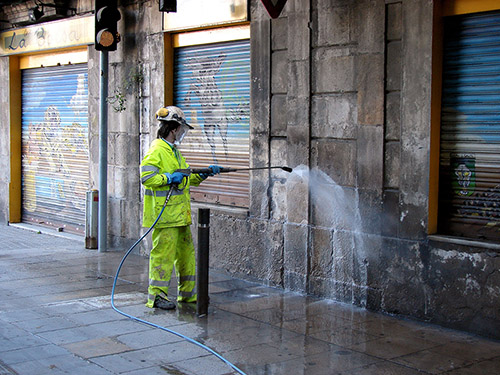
(172, 113)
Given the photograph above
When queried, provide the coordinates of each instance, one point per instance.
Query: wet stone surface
(56, 318)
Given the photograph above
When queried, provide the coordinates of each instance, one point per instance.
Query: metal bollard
(202, 264)
(91, 219)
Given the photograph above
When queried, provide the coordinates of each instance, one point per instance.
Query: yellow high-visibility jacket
(160, 159)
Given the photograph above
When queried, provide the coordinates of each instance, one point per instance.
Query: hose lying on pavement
(153, 324)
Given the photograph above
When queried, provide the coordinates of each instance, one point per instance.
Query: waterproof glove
(174, 178)
(215, 170)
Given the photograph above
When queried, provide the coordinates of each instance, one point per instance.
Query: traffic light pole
(103, 154)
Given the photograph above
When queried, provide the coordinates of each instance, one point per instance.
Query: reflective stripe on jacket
(160, 159)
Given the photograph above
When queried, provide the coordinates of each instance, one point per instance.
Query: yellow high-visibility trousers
(172, 247)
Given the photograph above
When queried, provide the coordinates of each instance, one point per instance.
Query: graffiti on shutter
(212, 86)
(55, 158)
(470, 127)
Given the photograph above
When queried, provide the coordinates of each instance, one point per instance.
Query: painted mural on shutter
(212, 86)
(470, 127)
(55, 156)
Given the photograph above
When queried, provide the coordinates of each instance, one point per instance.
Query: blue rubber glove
(175, 178)
(215, 169)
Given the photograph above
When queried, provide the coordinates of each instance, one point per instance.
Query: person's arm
(150, 172)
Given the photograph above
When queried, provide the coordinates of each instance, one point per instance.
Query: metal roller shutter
(212, 86)
(470, 127)
(55, 156)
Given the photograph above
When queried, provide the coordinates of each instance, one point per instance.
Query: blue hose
(153, 324)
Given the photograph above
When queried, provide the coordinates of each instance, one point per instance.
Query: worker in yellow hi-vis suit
(172, 240)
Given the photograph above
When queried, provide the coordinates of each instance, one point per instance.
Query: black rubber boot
(164, 304)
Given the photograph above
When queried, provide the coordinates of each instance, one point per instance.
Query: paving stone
(32, 353)
(96, 347)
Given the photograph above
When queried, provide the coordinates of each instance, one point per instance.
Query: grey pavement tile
(156, 316)
(332, 363)
(121, 299)
(488, 367)
(304, 346)
(97, 347)
(234, 284)
(245, 300)
(69, 335)
(95, 316)
(66, 308)
(91, 369)
(203, 365)
(118, 327)
(6, 370)
(158, 356)
(22, 314)
(232, 337)
(438, 334)
(69, 287)
(382, 368)
(32, 353)
(276, 317)
(163, 370)
(392, 347)
(391, 326)
(9, 330)
(319, 323)
(431, 362)
(176, 352)
(18, 342)
(63, 364)
(258, 355)
(474, 350)
(33, 281)
(45, 324)
(116, 364)
(147, 339)
(345, 337)
(79, 294)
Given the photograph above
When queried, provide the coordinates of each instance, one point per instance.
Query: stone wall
(341, 92)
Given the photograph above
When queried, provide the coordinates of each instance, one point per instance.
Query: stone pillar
(296, 234)
(415, 117)
(260, 50)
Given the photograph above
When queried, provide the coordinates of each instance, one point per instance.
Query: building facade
(387, 110)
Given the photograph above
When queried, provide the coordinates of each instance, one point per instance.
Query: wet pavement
(56, 318)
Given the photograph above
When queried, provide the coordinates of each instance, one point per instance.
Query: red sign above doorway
(274, 7)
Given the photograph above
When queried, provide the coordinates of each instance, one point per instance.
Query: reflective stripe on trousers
(172, 247)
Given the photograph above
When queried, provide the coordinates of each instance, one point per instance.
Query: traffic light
(168, 5)
(107, 16)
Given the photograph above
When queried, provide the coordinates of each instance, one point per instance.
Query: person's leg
(161, 262)
(185, 266)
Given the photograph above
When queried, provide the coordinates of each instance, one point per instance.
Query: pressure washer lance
(189, 171)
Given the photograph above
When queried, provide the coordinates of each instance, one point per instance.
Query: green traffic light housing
(107, 16)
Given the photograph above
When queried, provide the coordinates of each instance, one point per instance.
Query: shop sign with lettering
(50, 35)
